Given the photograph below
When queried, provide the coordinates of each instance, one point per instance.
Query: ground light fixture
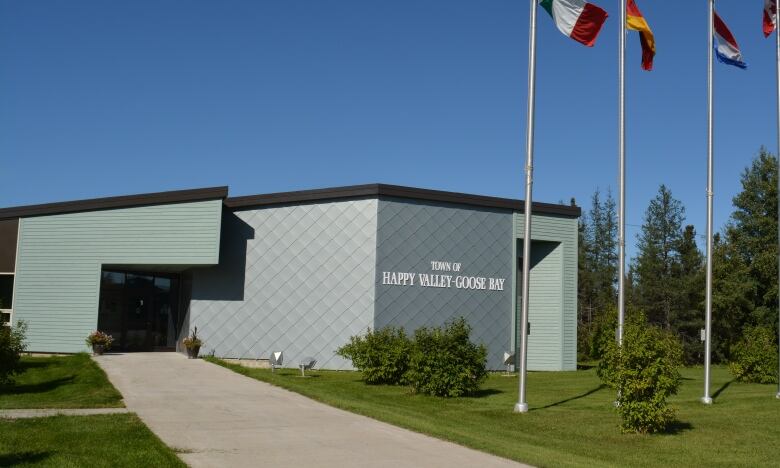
(306, 363)
(276, 359)
(509, 359)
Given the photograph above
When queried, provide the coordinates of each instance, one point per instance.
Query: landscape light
(509, 359)
(306, 364)
(276, 360)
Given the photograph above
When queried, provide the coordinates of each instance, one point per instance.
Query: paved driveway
(218, 418)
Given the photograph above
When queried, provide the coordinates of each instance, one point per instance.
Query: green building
(298, 272)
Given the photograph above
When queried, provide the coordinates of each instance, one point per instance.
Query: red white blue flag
(770, 16)
(726, 47)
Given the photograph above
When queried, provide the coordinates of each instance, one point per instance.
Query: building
(298, 272)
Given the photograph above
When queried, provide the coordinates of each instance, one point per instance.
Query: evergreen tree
(745, 260)
(584, 276)
(752, 234)
(601, 256)
(597, 272)
(605, 247)
(733, 291)
(657, 267)
(690, 314)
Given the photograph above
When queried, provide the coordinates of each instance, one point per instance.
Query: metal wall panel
(296, 278)
(60, 256)
(412, 234)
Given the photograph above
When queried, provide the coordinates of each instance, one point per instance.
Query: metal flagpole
(622, 175)
(707, 399)
(522, 406)
(777, 57)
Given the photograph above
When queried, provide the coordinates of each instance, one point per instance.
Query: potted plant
(99, 341)
(192, 343)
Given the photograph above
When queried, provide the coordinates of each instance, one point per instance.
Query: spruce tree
(656, 266)
(689, 317)
(597, 272)
(733, 293)
(752, 234)
(745, 259)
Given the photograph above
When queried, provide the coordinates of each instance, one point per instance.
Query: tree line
(666, 278)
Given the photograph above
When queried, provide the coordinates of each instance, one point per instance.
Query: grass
(60, 382)
(571, 422)
(117, 440)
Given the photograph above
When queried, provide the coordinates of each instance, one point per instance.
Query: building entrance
(140, 310)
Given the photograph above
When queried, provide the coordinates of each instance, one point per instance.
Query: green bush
(603, 331)
(382, 355)
(645, 372)
(12, 345)
(444, 361)
(754, 357)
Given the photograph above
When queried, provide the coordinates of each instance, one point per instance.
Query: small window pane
(6, 291)
(162, 284)
(112, 278)
(139, 281)
(4, 318)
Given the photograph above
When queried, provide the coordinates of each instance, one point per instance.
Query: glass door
(140, 310)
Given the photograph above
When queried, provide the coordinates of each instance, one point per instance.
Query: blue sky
(108, 98)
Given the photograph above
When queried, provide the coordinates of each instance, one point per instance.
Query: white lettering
(435, 280)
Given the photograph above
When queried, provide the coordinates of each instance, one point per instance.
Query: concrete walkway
(218, 418)
(42, 413)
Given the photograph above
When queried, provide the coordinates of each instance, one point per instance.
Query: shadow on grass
(38, 364)
(40, 387)
(582, 395)
(721, 389)
(677, 427)
(20, 458)
(485, 392)
(585, 366)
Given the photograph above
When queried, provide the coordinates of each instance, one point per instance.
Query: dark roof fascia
(126, 201)
(397, 191)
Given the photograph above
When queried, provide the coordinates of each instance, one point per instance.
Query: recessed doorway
(139, 310)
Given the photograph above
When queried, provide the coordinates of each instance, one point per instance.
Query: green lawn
(117, 440)
(60, 382)
(571, 422)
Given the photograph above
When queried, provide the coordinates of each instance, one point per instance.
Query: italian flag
(578, 19)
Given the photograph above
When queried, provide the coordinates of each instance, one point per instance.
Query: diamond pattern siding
(413, 234)
(308, 284)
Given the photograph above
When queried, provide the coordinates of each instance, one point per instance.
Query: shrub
(754, 357)
(444, 362)
(382, 355)
(12, 345)
(645, 371)
(602, 332)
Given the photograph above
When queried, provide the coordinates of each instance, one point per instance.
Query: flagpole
(522, 406)
(622, 175)
(777, 58)
(707, 399)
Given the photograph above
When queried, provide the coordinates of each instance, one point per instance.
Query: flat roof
(397, 191)
(106, 203)
(281, 198)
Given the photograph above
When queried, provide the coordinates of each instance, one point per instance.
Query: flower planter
(192, 352)
(98, 349)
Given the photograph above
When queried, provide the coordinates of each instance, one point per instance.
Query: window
(6, 297)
